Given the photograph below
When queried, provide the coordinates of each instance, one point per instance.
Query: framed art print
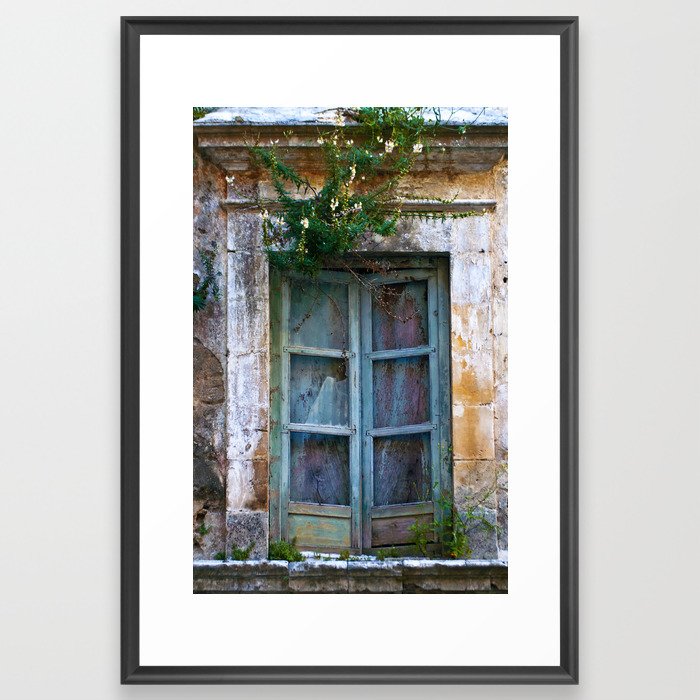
(365, 423)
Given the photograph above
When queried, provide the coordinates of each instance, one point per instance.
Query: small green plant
(220, 556)
(206, 287)
(238, 554)
(285, 551)
(199, 112)
(450, 531)
(202, 530)
(344, 554)
(383, 554)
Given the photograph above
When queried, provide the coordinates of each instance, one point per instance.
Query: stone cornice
(406, 205)
(479, 149)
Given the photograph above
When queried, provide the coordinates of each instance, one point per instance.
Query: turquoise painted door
(401, 405)
(361, 412)
(320, 412)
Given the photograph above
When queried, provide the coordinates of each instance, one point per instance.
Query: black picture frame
(132, 672)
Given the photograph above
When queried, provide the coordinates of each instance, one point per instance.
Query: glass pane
(318, 314)
(319, 469)
(402, 469)
(401, 391)
(318, 390)
(400, 316)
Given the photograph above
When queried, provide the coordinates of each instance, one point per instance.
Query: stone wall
(209, 363)
(231, 352)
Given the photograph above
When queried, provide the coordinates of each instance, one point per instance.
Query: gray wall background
(59, 368)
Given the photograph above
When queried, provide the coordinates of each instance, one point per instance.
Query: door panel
(400, 316)
(318, 314)
(318, 532)
(318, 390)
(400, 410)
(401, 391)
(320, 469)
(402, 471)
(397, 530)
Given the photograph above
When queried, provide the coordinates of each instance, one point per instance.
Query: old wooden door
(363, 449)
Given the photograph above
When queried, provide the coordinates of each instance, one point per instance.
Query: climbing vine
(307, 225)
(205, 286)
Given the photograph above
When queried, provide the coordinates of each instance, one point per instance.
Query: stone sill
(365, 575)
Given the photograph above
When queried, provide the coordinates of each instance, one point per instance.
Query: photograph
(350, 349)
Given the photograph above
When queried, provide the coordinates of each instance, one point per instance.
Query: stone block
(473, 436)
(475, 483)
(481, 533)
(245, 528)
(471, 234)
(208, 530)
(208, 375)
(471, 354)
(318, 576)
(446, 576)
(241, 577)
(245, 232)
(374, 576)
(470, 278)
(500, 422)
(502, 514)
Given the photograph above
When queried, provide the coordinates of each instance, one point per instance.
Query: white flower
(265, 214)
(320, 140)
(362, 177)
(352, 172)
(339, 119)
(334, 203)
(417, 147)
(358, 206)
(389, 146)
(305, 222)
(230, 179)
(380, 139)
(349, 143)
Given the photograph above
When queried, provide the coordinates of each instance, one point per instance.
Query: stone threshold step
(354, 576)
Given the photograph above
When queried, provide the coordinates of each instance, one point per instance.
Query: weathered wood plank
(444, 359)
(402, 509)
(355, 415)
(317, 429)
(313, 531)
(402, 430)
(388, 531)
(367, 416)
(326, 511)
(316, 352)
(401, 352)
(284, 408)
(433, 328)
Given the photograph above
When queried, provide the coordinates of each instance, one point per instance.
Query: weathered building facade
(236, 352)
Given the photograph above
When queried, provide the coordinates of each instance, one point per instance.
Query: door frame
(433, 267)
